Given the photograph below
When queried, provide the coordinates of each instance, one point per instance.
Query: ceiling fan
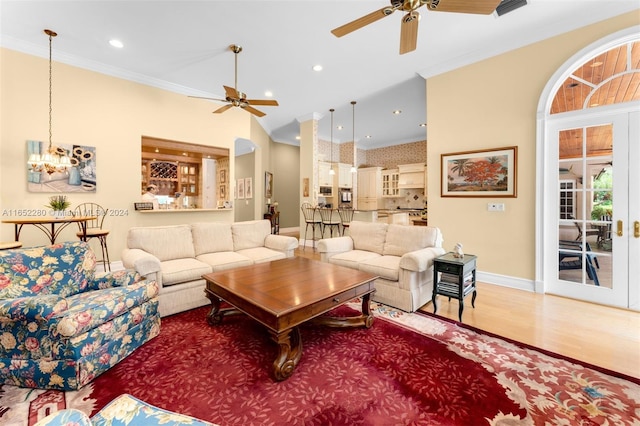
(409, 26)
(235, 98)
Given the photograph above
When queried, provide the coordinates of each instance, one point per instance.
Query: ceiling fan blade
(266, 102)
(409, 32)
(222, 109)
(481, 7)
(254, 111)
(210, 99)
(231, 92)
(361, 22)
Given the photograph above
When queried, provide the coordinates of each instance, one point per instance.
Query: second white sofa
(177, 256)
(402, 256)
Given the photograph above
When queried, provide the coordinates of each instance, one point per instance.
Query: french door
(592, 228)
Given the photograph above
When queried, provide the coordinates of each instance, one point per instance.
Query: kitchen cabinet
(171, 177)
(411, 175)
(369, 188)
(344, 177)
(324, 178)
(390, 180)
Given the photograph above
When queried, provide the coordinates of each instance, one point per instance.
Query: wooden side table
(455, 278)
(275, 221)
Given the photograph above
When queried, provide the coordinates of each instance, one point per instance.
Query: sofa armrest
(144, 263)
(281, 243)
(420, 260)
(116, 279)
(331, 246)
(33, 308)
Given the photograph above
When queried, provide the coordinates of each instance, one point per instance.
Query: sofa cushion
(368, 236)
(211, 237)
(250, 234)
(223, 260)
(262, 254)
(164, 242)
(403, 239)
(352, 258)
(384, 266)
(182, 270)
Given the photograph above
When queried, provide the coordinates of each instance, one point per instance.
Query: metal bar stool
(94, 229)
(329, 221)
(310, 218)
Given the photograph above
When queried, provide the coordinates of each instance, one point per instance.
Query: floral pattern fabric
(60, 324)
(124, 410)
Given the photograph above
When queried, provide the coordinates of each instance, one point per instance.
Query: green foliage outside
(602, 200)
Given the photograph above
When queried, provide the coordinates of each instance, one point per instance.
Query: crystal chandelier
(55, 158)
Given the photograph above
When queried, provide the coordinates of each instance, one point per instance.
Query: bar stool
(346, 216)
(328, 220)
(310, 218)
(94, 229)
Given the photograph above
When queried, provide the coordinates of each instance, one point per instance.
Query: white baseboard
(505, 281)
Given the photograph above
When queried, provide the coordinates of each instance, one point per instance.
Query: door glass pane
(585, 204)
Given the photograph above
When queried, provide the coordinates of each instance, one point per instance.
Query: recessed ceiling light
(116, 43)
(368, 136)
(298, 137)
(317, 68)
(268, 93)
(340, 127)
(396, 112)
(423, 124)
(595, 64)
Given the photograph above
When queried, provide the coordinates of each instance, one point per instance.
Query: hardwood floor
(599, 335)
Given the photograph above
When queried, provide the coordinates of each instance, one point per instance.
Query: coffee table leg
(215, 316)
(290, 344)
(366, 310)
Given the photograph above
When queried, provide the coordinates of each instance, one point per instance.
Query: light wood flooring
(599, 335)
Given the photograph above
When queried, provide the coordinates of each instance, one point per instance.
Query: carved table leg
(290, 344)
(215, 316)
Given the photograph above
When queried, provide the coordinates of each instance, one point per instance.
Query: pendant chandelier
(331, 171)
(55, 159)
(353, 128)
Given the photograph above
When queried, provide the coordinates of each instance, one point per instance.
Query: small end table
(455, 278)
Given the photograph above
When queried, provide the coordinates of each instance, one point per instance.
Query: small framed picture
(240, 190)
(248, 188)
(223, 176)
(223, 192)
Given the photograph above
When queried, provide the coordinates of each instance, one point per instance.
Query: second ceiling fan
(235, 98)
(409, 26)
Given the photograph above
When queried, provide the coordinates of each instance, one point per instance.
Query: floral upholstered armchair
(61, 325)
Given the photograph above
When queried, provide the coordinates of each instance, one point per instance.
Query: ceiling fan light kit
(236, 98)
(409, 23)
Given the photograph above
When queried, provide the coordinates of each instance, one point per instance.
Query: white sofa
(177, 256)
(402, 256)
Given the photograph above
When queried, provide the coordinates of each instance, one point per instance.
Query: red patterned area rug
(408, 369)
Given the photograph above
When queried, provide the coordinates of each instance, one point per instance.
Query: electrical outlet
(495, 207)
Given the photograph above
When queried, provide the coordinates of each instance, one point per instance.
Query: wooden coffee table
(283, 294)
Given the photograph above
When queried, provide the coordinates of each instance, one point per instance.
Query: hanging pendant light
(353, 128)
(55, 158)
(331, 171)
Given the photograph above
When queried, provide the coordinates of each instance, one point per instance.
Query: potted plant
(58, 203)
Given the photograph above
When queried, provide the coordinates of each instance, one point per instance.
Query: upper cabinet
(390, 181)
(324, 177)
(411, 175)
(344, 177)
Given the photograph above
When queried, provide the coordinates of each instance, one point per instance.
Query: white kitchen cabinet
(369, 188)
(411, 175)
(390, 180)
(344, 177)
(324, 178)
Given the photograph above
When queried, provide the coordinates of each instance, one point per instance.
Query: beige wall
(493, 104)
(110, 114)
